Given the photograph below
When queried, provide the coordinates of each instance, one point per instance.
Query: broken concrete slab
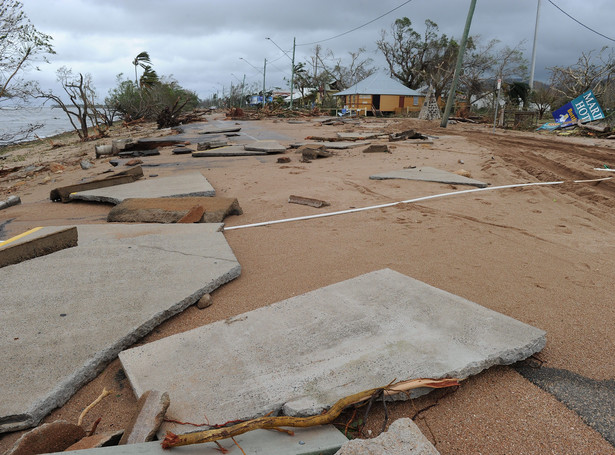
(317, 203)
(303, 354)
(322, 440)
(181, 151)
(268, 147)
(151, 407)
(49, 437)
(97, 440)
(333, 145)
(429, 174)
(214, 130)
(211, 142)
(36, 242)
(377, 148)
(10, 202)
(171, 210)
(180, 185)
(361, 136)
(402, 438)
(231, 150)
(94, 300)
(120, 178)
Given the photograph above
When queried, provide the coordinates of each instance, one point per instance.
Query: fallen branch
(267, 423)
(104, 393)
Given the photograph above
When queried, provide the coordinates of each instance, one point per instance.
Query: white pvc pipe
(391, 204)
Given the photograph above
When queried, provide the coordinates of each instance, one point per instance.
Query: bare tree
(81, 110)
(590, 72)
(21, 46)
(543, 97)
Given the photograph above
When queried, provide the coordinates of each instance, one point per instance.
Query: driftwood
(462, 119)
(268, 423)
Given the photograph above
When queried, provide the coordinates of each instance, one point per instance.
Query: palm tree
(143, 61)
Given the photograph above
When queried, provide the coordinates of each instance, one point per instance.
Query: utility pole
(292, 77)
(264, 93)
(534, 48)
(462, 49)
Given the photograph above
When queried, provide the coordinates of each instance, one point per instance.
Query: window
(415, 101)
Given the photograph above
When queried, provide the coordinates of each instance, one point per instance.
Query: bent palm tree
(143, 61)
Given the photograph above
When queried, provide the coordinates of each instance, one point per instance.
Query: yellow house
(379, 92)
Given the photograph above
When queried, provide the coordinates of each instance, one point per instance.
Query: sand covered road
(542, 255)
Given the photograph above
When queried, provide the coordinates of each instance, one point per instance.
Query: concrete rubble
(305, 353)
(94, 300)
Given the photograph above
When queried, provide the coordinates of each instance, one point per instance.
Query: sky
(207, 45)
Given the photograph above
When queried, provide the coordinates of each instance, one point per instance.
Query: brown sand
(543, 255)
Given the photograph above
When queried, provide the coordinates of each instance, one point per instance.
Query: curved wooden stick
(266, 423)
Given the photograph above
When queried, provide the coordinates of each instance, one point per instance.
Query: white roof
(379, 84)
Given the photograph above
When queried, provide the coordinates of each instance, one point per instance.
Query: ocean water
(53, 120)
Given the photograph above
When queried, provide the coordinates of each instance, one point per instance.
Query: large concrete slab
(429, 174)
(340, 145)
(36, 242)
(230, 150)
(361, 135)
(180, 185)
(172, 210)
(303, 354)
(322, 440)
(66, 315)
(265, 146)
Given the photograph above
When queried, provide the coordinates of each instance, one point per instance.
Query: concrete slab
(66, 315)
(361, 136)
(303, 354)
(265, 146)
(231, 150)
(180, 185)
(120, 178)
(333, 144)
(402, 438)
(429, 174)
(36, 242)
(324, 440)
(171, 209)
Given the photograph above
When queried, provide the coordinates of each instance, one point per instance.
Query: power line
(581, 23)
(356, 28)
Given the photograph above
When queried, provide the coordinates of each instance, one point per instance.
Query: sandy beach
(539, 254)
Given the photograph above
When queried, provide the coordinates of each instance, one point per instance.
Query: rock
(46, 180)
(134, 162)
(464, 173)
(204, 302)
(402, 438)
(85, 164)
(97, 440)
(56, 168)
(284, 159)
(151, 408)
(313, 151)
(50, 437)
(114, 162)
(377, 148)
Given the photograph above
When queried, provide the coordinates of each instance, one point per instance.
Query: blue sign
(587, 108)
(584, 108)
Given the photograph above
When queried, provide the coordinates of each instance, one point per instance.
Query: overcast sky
(200, 42)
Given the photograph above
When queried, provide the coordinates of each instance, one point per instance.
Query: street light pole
(264, 73)
(462, 49)
(534, 48)
(292, 76)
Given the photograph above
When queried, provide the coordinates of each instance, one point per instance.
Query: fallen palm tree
(274, 422)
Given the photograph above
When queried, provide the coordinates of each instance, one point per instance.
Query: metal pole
(264, 73)
(534, 48)
(462, 49)
(243, 84)
(292, 77)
